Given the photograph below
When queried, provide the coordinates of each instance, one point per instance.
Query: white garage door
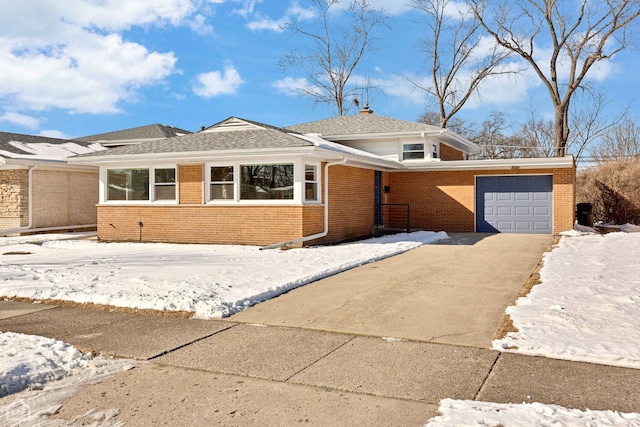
(514, 204)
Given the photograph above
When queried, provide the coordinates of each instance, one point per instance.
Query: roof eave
(496, 164)
(189, 155)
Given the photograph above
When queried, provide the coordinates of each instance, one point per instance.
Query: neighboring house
(39, 190)
(244, 182)
(134, 135)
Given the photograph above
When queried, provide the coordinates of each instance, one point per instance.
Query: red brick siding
(448, 153)
(251, 225)
(190, 180)
(446, 200)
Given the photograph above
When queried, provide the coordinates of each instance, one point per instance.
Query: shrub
(613, 189)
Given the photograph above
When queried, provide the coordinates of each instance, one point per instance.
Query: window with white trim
(164, 184)
(412, 152)
(311, 183)
(141, 184)
(266, 181)
(435, 150)
(221, 183)
(128, 184)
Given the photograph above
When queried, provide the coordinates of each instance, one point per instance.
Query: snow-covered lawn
(209, 280)
(587, 306)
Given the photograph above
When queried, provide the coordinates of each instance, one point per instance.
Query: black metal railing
(392, 217)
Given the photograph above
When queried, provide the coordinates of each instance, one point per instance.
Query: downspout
(326, 212)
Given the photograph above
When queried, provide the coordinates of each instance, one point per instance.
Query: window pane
(221, 191)
(128, 184)
(309, 173)
(165, 175)
(221, 173)
(311, 191)
(412, 155)
(270, 182)
(165, 192)
(413, 147)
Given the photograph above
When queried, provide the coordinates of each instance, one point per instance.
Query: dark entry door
(377, 188)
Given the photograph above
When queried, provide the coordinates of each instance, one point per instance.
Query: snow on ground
(456, 413)
(587, 306)
(210, 280)
(40, 238)
(47, 370)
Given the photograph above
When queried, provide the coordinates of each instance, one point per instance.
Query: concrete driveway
(453, 292)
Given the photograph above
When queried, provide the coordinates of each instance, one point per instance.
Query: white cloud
(290, 86)
(293, 12)
(53, 134)
(198, 25)
(20, 120)
(217, 83)
(71, 54)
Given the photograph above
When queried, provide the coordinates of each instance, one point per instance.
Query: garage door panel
(514, 204)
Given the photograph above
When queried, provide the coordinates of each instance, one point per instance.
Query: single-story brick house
(244, 182)
(39, 190)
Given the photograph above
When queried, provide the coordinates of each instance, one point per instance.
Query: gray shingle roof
(360, 124)
(6, 137)
(142, 132)
(232, 139)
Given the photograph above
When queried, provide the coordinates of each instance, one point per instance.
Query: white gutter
(326, 212)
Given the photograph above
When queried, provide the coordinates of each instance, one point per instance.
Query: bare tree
(582, 34)
(621, 142)
(454, 52)
(454, 124)
(332, 52)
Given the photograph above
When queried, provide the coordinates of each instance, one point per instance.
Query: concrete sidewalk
(219, 371)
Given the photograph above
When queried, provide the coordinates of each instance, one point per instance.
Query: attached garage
(514, 204)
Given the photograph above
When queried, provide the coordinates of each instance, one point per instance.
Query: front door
(377, 196)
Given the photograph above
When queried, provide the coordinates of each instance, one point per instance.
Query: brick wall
(251, 225)
(14, 198)
(190, 180)
(351, 203)
(445, 200)
(64, 198)
(448, 153)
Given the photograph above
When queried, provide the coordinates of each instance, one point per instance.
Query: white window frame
(435, 149)
(403, 151)
(104, 187)
(317, 181)
(298, 181)
(208, 182)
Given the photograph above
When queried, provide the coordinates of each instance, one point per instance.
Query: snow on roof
(48, 151)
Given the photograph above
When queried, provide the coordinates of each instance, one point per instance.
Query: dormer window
(412, 152)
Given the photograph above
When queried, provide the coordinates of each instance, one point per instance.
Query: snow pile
(210, 280)
(29, 361)
(40, 238)
(467, 413)
(587, 306)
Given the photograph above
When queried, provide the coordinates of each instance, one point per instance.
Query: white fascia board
(189, 156)
(496, 164)
(44, 165)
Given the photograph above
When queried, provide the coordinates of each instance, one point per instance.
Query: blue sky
(79, 67)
